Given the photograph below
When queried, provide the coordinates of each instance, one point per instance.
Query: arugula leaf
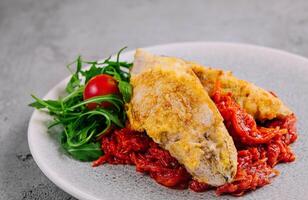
(119, 53)
(74, 81)
(93, 71)
(85, 152)
(110, 98)
(47, 103)
(126, 90)
(82, 127)
(76, 137)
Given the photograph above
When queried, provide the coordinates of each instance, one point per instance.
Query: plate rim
(74, 191)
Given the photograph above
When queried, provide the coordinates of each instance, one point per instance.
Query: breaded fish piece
(261, 104)
(171, 105)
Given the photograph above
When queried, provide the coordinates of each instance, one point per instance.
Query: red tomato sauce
(260, 147)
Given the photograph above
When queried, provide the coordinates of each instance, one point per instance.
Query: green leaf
(85, 152)
(78, 136)
(52, 105)
(108, 115)
(82, 126)
(79, 64)
(36, 105)
(126, 90)
(121, 64)
(113, 72)
(93, 71)
(113, 99)
(119, 53)
(74, 82)
(75, 95)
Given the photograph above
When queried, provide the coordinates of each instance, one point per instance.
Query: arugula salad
(93, 106)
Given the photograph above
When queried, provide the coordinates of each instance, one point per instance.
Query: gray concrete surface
(37, 39)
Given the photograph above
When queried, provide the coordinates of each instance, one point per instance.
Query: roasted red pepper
(260, 148)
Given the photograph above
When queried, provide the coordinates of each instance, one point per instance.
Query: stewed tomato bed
(260, 147)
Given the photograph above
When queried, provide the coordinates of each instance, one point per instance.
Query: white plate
(275, 70)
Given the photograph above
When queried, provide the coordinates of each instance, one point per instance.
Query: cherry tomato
(99, 85)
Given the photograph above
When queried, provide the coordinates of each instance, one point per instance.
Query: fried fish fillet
(261, 104)
(171, 105)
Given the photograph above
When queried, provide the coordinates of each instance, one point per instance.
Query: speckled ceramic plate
(275, 70)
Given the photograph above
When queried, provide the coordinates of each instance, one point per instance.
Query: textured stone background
(37, 39)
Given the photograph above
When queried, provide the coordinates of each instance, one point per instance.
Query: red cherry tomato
(99, 85)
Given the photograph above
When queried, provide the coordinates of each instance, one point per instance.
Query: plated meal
(183, 124)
